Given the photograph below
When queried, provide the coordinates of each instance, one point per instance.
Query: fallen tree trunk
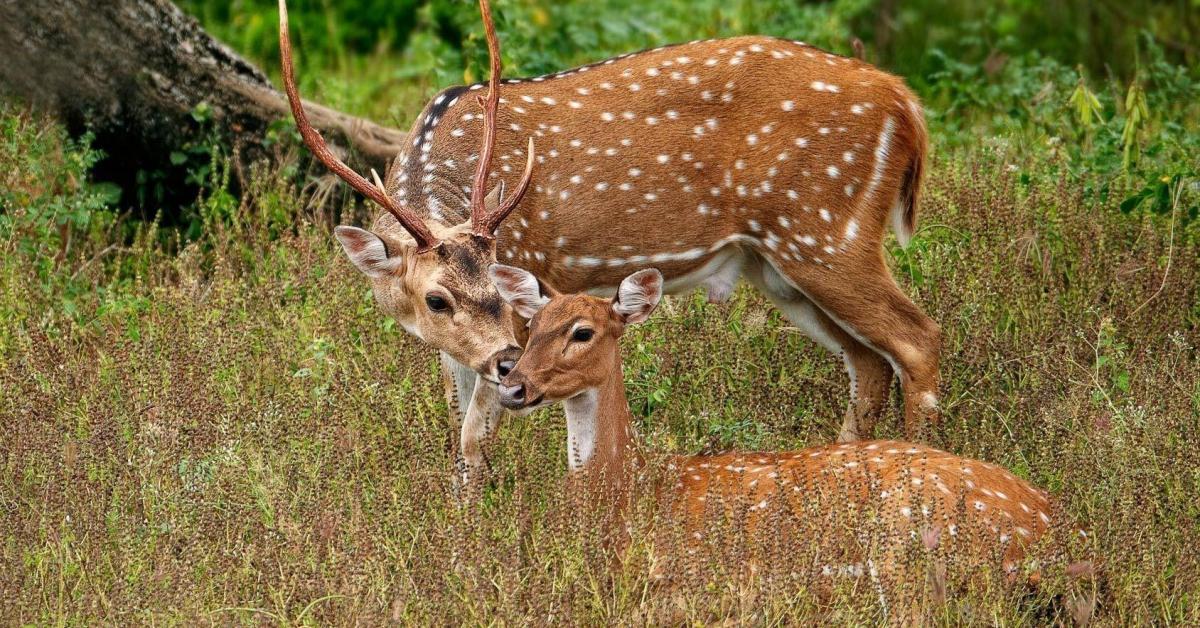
(134, 70)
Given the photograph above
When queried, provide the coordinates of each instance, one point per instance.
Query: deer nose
(504, 361)
(512, 396)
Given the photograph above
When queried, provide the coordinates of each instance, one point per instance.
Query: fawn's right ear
(520, 289)
(369, 252)
(638, 295)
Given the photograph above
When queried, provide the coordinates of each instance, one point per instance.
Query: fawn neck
(600, 435)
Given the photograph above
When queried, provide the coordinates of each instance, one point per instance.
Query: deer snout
(503, 362)
(512, 395)
(516, 392)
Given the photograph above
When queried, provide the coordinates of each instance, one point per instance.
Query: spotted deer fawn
(748, 157)
(572, 356)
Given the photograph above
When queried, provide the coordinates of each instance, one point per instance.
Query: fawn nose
(512, 396)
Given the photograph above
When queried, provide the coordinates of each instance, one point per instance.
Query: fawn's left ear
(638, 295)
(520, 289)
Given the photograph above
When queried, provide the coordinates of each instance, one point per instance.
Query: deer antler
(312, 138)
(485, 223)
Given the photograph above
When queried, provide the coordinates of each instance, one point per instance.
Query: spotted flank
(677, 139)
(909, 488)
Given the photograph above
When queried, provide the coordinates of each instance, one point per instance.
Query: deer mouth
(525, 405)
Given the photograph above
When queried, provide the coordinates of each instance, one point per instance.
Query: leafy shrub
(51, 212)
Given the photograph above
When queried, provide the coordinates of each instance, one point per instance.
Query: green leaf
(1131, 203)
(107, 192)
(202, 113)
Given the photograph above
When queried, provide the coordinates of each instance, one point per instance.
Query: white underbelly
(718, 276)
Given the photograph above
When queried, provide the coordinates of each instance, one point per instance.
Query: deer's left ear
(520, 289)
(638, 295)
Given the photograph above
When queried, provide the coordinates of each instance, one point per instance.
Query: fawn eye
(436, 303)
(583, 334)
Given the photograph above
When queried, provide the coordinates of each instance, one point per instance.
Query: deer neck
(600, 435)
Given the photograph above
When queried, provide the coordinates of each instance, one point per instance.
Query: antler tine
(484, 223)
(312, 138)
(490, 104)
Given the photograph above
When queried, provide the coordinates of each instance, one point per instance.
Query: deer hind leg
(870, 385)
(861, 296)
(870, 374)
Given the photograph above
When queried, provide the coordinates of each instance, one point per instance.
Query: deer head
(432, 277)
(573, 339)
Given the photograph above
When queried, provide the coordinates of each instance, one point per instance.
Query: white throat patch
(581, 427)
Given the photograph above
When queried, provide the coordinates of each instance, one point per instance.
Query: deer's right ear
(368, 252)
(519, 288)
(638, 295)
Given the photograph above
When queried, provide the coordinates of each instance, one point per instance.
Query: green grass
(217, 425)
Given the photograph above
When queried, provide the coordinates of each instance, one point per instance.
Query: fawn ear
(638, 295)
(520, 289)
(369, 252)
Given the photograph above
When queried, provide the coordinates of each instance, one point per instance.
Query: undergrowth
(215, 423)
(223, 428)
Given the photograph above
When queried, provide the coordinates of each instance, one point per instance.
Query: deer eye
(436, 303)
(583, 334)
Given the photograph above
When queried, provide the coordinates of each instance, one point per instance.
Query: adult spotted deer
(748, 157)
(904, 491)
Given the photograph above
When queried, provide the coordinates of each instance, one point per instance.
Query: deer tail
(904, 212)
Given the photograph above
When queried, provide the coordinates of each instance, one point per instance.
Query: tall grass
(226, 430)
(216, 424)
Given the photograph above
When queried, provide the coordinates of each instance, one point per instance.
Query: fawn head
(573, 338)
(431, 277)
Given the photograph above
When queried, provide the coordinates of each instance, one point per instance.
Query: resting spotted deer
(748, 157)
(573, 356)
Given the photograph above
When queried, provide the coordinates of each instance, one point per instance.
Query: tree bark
(134, 70)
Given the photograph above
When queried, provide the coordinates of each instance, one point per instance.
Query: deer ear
(638, 295)
(519, 288)
(368, 252)
(492, 200)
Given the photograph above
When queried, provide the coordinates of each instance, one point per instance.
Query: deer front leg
(459, 383)
(478, 426)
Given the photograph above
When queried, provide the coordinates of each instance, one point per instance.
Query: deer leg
(870, 385)
(870, 374)
(458, 382)
(479, 425)
(861, 296)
